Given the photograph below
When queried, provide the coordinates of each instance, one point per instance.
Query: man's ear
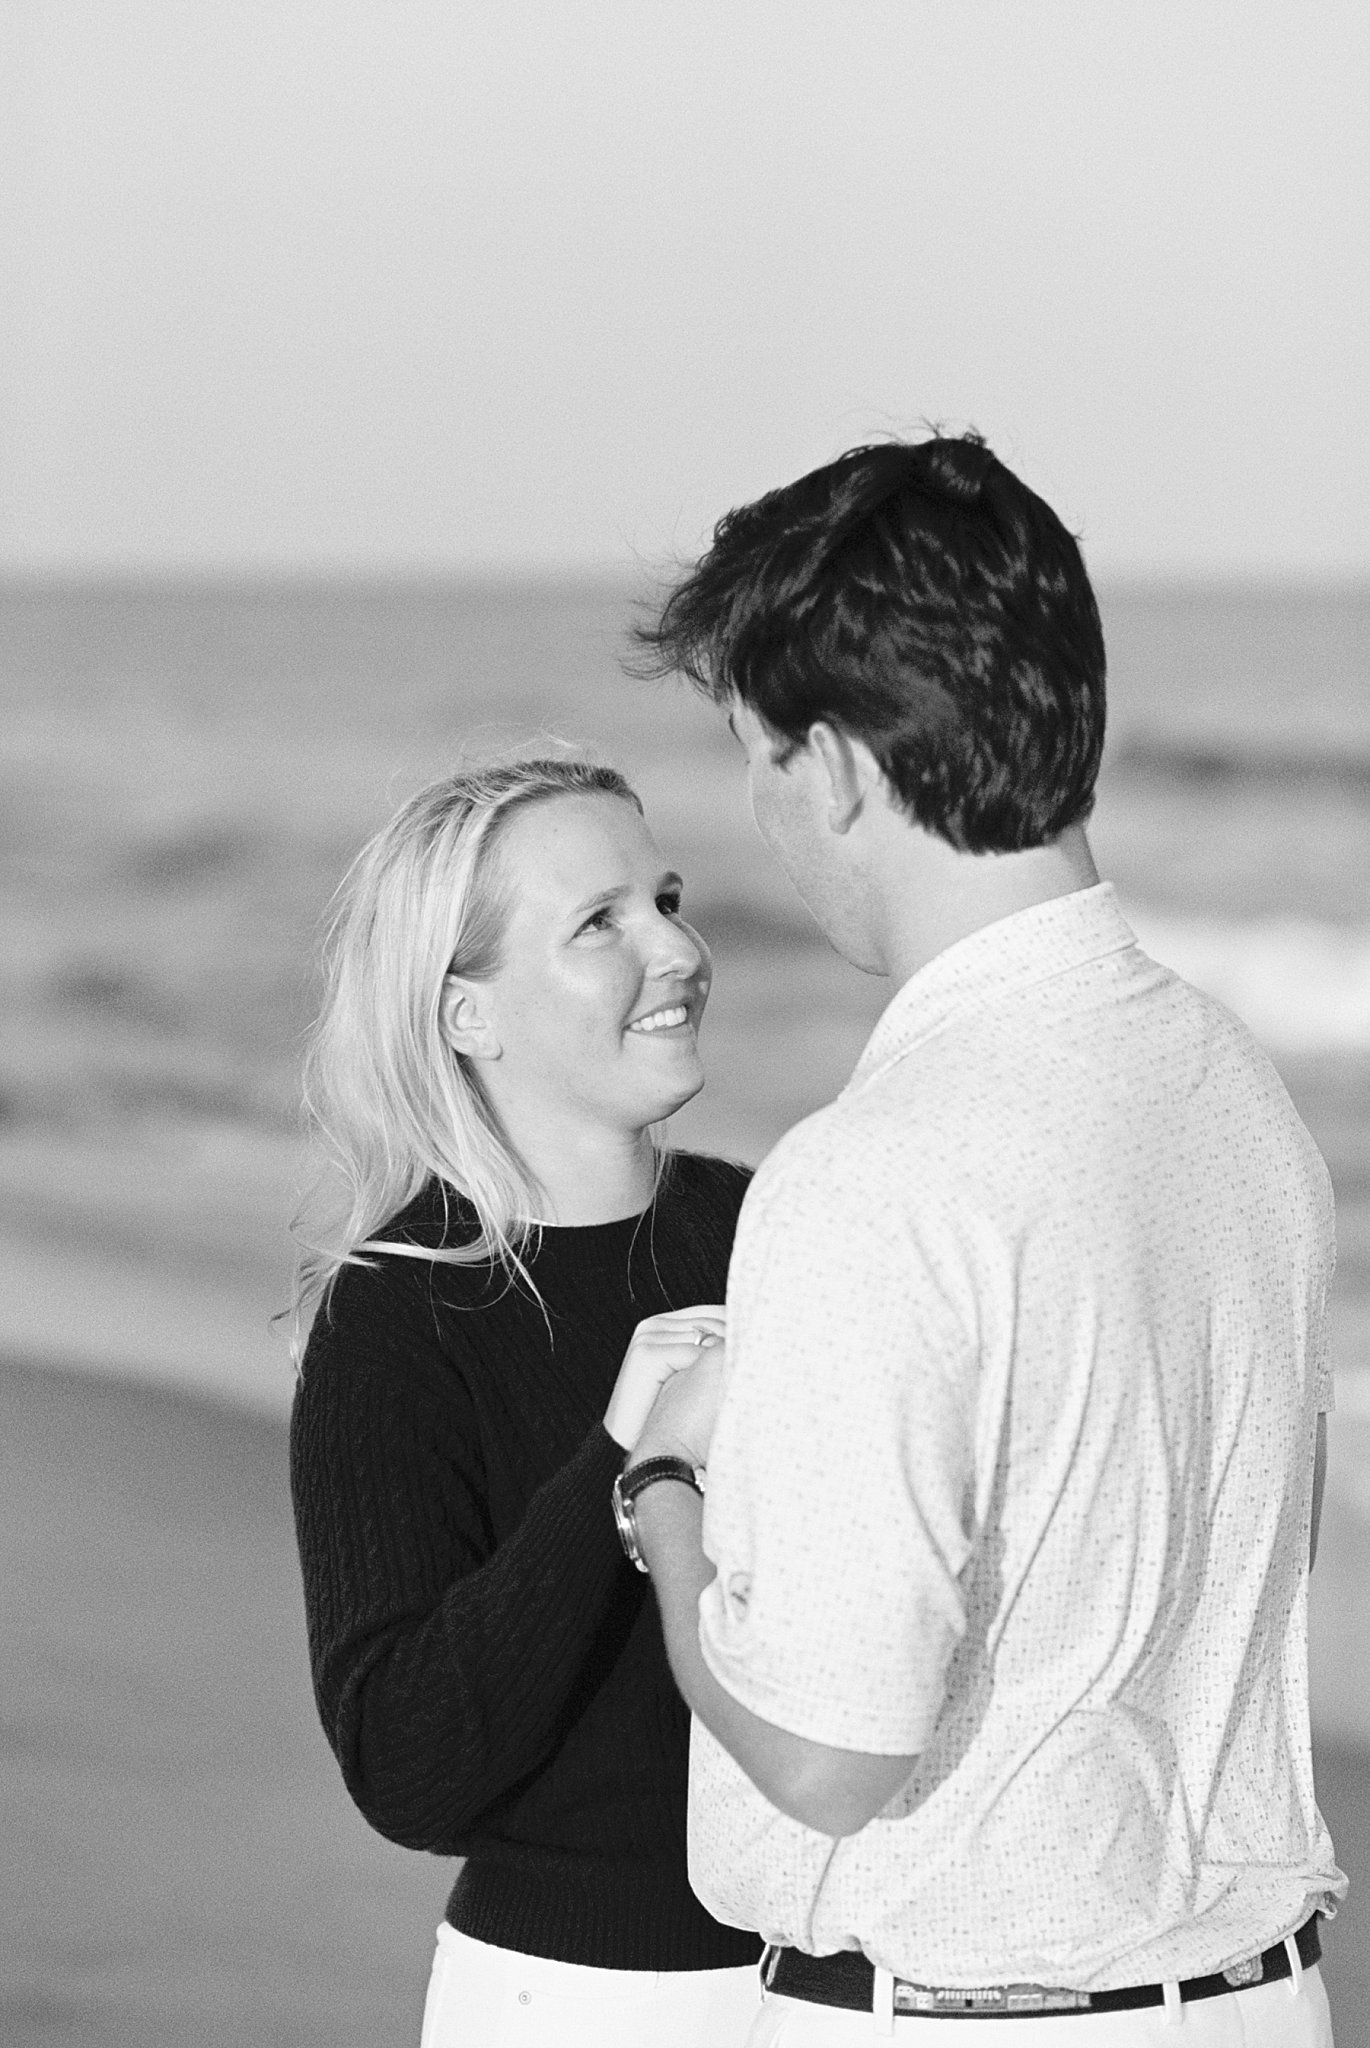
(850, 771)
(463, 1021)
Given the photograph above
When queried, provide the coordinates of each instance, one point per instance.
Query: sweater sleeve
(445, 1668)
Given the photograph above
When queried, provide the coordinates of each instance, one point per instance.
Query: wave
(1302, 985)
(1205, 761)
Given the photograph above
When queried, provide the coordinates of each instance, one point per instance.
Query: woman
(513, 1002)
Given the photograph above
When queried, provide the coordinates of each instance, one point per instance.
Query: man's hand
(681, 1421)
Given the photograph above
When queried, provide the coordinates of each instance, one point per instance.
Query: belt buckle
(1249, 1971)
(987, 1999)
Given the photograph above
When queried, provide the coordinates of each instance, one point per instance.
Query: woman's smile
(670, 1018)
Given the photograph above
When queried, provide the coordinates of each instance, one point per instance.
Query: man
(993, 1617)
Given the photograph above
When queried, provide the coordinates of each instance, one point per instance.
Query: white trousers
(1278, 2015)
(485, 1997)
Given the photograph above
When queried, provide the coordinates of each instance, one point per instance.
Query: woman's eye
(596, 922)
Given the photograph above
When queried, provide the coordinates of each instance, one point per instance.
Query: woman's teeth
(661, 1020)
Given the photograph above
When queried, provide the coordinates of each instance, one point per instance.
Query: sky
(534, 286)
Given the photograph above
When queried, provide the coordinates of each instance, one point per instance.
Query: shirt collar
(1012, 953)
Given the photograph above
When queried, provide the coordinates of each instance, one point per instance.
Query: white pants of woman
(484, 1997)
(1279, 2015)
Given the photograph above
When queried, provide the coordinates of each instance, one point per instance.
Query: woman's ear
(463, 1021)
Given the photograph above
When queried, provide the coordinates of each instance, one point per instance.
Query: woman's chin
(685, 1091)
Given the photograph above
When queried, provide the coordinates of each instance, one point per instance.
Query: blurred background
(362, 367)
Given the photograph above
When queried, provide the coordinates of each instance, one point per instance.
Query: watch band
(630, 1484)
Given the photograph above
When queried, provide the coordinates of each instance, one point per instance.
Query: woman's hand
(661, 1346)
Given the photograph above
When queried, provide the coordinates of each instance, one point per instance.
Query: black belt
(848, 1979)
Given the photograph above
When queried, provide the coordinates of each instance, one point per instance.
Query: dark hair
(923, 599)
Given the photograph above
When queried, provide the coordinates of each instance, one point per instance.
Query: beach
(183, 1866)
(184, 773)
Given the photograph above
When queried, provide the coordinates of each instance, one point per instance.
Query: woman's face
(593, 1013)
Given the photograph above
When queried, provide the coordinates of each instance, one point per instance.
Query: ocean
(185, 771)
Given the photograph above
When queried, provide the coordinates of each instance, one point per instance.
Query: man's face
(780, 797)
(792, 805)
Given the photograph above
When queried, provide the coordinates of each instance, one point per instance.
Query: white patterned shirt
(1026, 1347)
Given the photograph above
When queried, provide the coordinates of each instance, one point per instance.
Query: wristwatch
(629, 1485)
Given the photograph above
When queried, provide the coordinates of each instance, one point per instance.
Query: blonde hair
(390, 1103)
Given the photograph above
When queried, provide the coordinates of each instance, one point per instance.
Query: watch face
(627, 1526)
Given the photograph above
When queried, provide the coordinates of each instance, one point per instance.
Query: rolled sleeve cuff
(838, 1723)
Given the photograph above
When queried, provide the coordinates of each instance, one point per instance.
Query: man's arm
(814, 1636)
(833, 1791)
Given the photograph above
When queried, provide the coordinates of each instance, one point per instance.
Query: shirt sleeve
(1324, 1385)
(445, 1665)
(840, 1487)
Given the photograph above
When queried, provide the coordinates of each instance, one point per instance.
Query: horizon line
(185, 577)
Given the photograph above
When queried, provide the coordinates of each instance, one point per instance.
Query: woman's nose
(678, 950)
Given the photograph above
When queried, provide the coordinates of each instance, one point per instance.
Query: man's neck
(933, 896)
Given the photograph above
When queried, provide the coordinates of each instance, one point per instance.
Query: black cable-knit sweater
(488, 1667)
